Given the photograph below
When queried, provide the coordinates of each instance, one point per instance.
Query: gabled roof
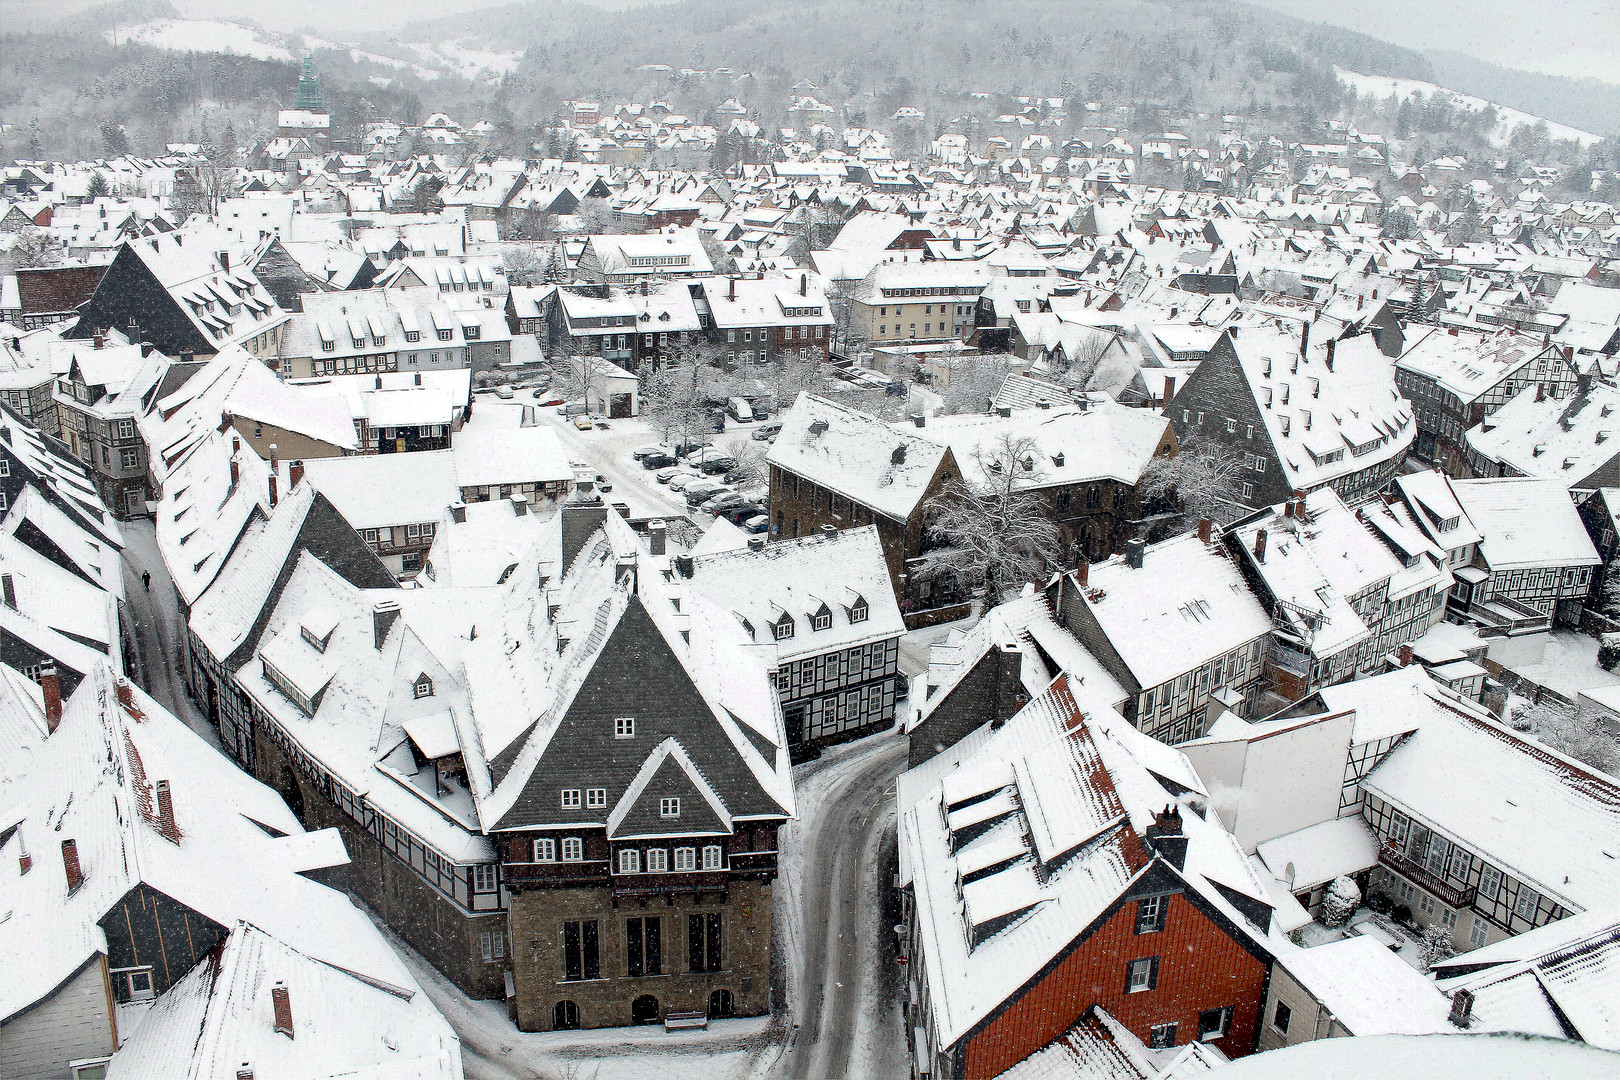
(858, 455)
(668, 772)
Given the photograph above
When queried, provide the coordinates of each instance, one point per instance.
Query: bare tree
(749, 457)
(974, 380)
(1202, 480)
(35, 247)
(1560, 728)
(199, 188)
(525, 262)
(994, 535)
(582, 375)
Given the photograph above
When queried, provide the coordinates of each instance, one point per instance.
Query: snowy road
(155, 615)
(836, 915)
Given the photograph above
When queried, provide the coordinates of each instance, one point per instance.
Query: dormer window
(858, 610)
(782, 628)
(822, 619)
(413, 335)
(423, 686)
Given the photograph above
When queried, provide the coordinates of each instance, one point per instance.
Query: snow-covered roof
(1539, 816)
(1016, 851)
(1187, 605)
(1319, 853)
(858, 455)
(1467, 363)
(1369, 989)
(1100, 441)
(1526, 522)
(1433, 1057)
(843, 572)
(379, 490)
(1571, 440)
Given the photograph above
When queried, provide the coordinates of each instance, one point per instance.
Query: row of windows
(859, 661)
(658, 862)
(356, 365)
(643, 947)
(791, 333)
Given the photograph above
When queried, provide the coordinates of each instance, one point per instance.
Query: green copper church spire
(309, 88)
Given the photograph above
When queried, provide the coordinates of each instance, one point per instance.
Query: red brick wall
(1200, 967)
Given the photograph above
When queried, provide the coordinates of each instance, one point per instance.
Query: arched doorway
(721, 1004)
(565, 1016)
(644, 1010)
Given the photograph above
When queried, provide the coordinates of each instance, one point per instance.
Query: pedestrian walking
(146, 580)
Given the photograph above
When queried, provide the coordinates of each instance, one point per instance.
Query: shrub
(1341, 901)
(1380, 902)
(1436, 944)
(1608, 651)
(1402, 914)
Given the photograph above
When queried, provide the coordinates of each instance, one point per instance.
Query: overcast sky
(1560, 37)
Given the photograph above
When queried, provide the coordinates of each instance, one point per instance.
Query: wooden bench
(674, 1021)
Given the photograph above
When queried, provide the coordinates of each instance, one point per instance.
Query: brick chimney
(382, 620)
(732, 295)
(1135, 552)
(272, 491)
(295, 474)
(273, 458)
(1406, 655)
(165, 811)
(244, 1071)
(1169, 390)
(8, 589)
(1166, 839)
(1331, 348)
(1204, 527)
(236, 472)
(657, 535)
(1082, 573)
(283, 1007)
(1304, 338)
(70, 863)
(804, 282)
(684, 565)
(1260, 546)
(458, 513)
(520, 504)
(52, 686)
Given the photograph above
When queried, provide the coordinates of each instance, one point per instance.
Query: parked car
(720, 505)
(687, 449)
(740, 410)
(572, 408)
(657, 461)
(641, 453)
(768, 431)
(504, 393)
(757, 524)
(668, 473)
(583, 423)
(682, 480)
(716, 465)
(742, 511)
(700, 493)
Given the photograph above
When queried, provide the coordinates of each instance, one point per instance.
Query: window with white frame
(545, 850)
(423, 687)
(629, 861)
(1524, 904)
(484, 877)
(492, 945)
(624, 727)
(1141, 975)
(669, 807)
(657, 860)
(1426, 904)
(595, 798)
(1480, 932)
(570, 798)
(711, 857)
(1490, 882)
(685, 859)
(573, 849)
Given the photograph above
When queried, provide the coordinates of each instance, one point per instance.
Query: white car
(682, 480)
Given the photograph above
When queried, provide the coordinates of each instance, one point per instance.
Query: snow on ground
(1382, 87)
(1568, 665)
(202, 35)
(494, 1049)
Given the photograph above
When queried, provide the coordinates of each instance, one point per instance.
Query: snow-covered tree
(974, 381)
(1341, 901)
(1436, 944)
(997, 534)
(1202, 480)
(1583, 738)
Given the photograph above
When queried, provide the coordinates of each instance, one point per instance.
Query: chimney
(244, 1071)
(272, 491)
(804, 284)
(100, 339)
(1166, 839)
(165, 811)
(756, 543)
(1233, 331)
(828, 531)
(236, 444)
(1004, 411)
(1204, 527)
(9, 586)
(295, 473)
(1169, 390)
(520, 504)
(1135, 552)
(1260, 546)
(236, 471)
(683, 565)
(51, 684)
(919, 420)
(418, 378)
(1462, 1008)
(283, 1006)
(657, 537)
(273, 457)
(1541, 391)
(382, 619)
(458, 513)
(70, 863)
(379, 382)
(1331, 347)
(1406, 655)
(1082, 573)
(732, 295)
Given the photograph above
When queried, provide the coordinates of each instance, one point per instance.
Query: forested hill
(1203, 53)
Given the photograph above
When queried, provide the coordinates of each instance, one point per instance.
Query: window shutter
(1153, 974)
